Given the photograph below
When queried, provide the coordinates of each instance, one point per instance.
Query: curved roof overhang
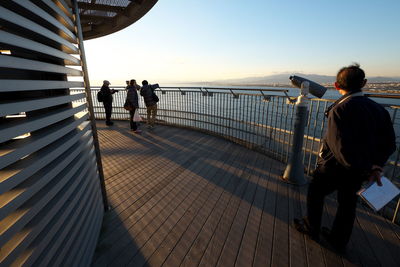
(103, 17)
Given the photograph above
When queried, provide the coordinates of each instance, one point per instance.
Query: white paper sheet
(378, 196)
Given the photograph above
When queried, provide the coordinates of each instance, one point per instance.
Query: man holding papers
(358, 142)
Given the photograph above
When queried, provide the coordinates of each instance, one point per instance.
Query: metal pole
(294, 172)
(90, 103)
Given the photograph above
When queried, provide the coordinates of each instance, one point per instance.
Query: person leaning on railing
(150, 100)
(359, 140)
(107, 100)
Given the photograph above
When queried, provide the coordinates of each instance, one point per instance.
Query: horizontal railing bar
(198, 89)
(384, 96)
(226, 88)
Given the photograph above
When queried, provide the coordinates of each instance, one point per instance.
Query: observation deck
(184, 198)
(177, 197)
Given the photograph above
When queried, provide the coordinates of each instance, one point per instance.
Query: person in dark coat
(107, 100)
(359, 140)
(147, 92)
(133, 99)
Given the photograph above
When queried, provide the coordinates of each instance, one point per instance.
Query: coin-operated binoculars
(294, 172)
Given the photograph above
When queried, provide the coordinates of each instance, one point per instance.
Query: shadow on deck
(180, 197)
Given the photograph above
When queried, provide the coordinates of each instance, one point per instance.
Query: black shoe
(109, 123)
(333, 244)
(303, 226)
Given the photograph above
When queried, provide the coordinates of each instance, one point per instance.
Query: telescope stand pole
(294, 172)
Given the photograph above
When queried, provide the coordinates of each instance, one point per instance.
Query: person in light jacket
(150, 100)
(133, 99)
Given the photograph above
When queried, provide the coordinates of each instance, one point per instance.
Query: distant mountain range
(284, 79)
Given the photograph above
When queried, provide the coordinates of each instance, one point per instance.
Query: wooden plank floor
(183, 198)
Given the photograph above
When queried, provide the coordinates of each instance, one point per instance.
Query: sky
(209, 40)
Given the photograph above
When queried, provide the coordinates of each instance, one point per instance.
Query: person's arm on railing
(154, 86)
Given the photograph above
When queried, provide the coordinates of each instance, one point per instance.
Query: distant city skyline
(203, 41)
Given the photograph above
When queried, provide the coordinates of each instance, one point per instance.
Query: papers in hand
(378, 196)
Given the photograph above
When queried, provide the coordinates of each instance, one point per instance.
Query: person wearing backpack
(150, 100)
(106, 95)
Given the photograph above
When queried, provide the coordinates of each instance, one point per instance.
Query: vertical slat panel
(49, 181)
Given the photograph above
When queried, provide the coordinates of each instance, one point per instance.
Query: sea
(331, 94)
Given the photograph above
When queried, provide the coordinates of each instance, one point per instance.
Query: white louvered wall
(51, 205)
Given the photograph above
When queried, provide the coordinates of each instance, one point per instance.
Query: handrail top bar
(209, 88)
(284, 91)
(383, 96)
(396, 96)
(226, 88)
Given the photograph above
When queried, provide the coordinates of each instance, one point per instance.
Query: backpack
(100, 96)
(155, 97)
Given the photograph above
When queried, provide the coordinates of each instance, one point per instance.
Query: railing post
(90, 103)
(294, 172)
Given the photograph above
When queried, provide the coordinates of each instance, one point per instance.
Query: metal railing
(260, 119)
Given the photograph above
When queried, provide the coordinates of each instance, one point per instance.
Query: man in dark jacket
(148, 94)
(359, 140)
(107, 100)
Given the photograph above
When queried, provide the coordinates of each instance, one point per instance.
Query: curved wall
(51, 204)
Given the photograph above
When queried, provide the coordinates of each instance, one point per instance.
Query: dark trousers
(325, 182)
(132, 123)
(108, 109)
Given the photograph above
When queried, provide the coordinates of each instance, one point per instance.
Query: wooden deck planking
(297, 246)
(153, 170)
(264, 247)
(314, 252)
(178, 227)
(203, 238)
(388, 232)
(186, 202)
(236, 188)
(232, 243)
(331, 258)
(280, 249)
(374, 237)
(130, 223)
(248, 245)
(179, 240)
(182, 198)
